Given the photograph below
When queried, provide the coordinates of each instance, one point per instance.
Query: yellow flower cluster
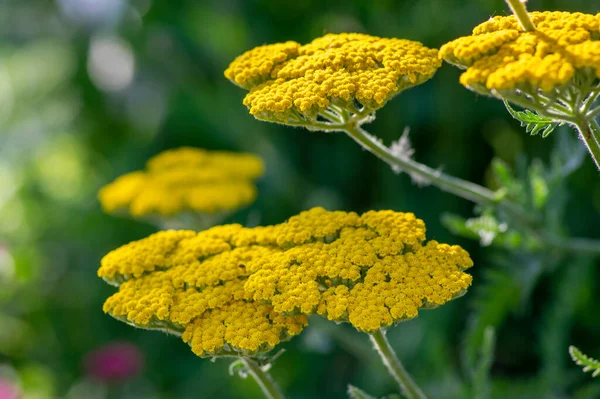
(233, 289)
(193, 283)
(287, 78)
(185, 179)
(502, 57)
(371, 270)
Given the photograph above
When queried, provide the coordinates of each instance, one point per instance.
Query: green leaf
(357, 393)
(588, 363)
(533, 123)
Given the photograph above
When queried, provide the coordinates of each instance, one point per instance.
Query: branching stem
(474, 192)
(464, 189)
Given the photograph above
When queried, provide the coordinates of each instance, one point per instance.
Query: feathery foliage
(588, 363)
(533, 123)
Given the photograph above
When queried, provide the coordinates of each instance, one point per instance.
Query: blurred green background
(90, 89)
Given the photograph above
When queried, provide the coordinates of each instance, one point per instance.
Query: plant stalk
(590, 134)
(263, 379)
(474, 192)
(408, 387)
(464, 189)
(518, 8)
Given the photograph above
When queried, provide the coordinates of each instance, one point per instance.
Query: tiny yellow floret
(185, 180)
(499, 56)
(286, 79)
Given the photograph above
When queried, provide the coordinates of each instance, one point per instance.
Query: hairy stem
(473, 192)
(462, 188)
(590, 134)
(518, 8)
(263, 379)
(408, 387)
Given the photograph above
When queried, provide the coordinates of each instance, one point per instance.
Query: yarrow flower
(333, 75)
(185, 180)
(231, 289)
(372, 270)
(499, 56)
(553, 69)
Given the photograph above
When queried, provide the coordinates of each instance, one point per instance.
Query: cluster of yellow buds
(291, 83)
(185, 180)
(235, 290)
(500, 56)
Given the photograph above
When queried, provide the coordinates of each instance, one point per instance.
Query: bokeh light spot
(111, 63)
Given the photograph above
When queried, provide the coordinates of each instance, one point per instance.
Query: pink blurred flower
(118, 361)
(8, 390)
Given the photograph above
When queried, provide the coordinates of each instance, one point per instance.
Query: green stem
(408, 387)
(263, 379)
(471, 191)
(590, 134)
(518, 8)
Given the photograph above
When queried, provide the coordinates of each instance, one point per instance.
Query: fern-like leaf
(533, 123)
(588, 363)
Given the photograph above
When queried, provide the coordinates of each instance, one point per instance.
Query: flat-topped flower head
(500, 56)
(183, 180)
(234, 290)
(371, 270)
(192, 284)
(336, 74)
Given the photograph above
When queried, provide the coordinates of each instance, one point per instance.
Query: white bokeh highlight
(111, 63)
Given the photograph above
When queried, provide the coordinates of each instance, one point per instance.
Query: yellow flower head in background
(499, 56)
(185, 179)
(372, 270)
(291, 83)
(193, 284)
